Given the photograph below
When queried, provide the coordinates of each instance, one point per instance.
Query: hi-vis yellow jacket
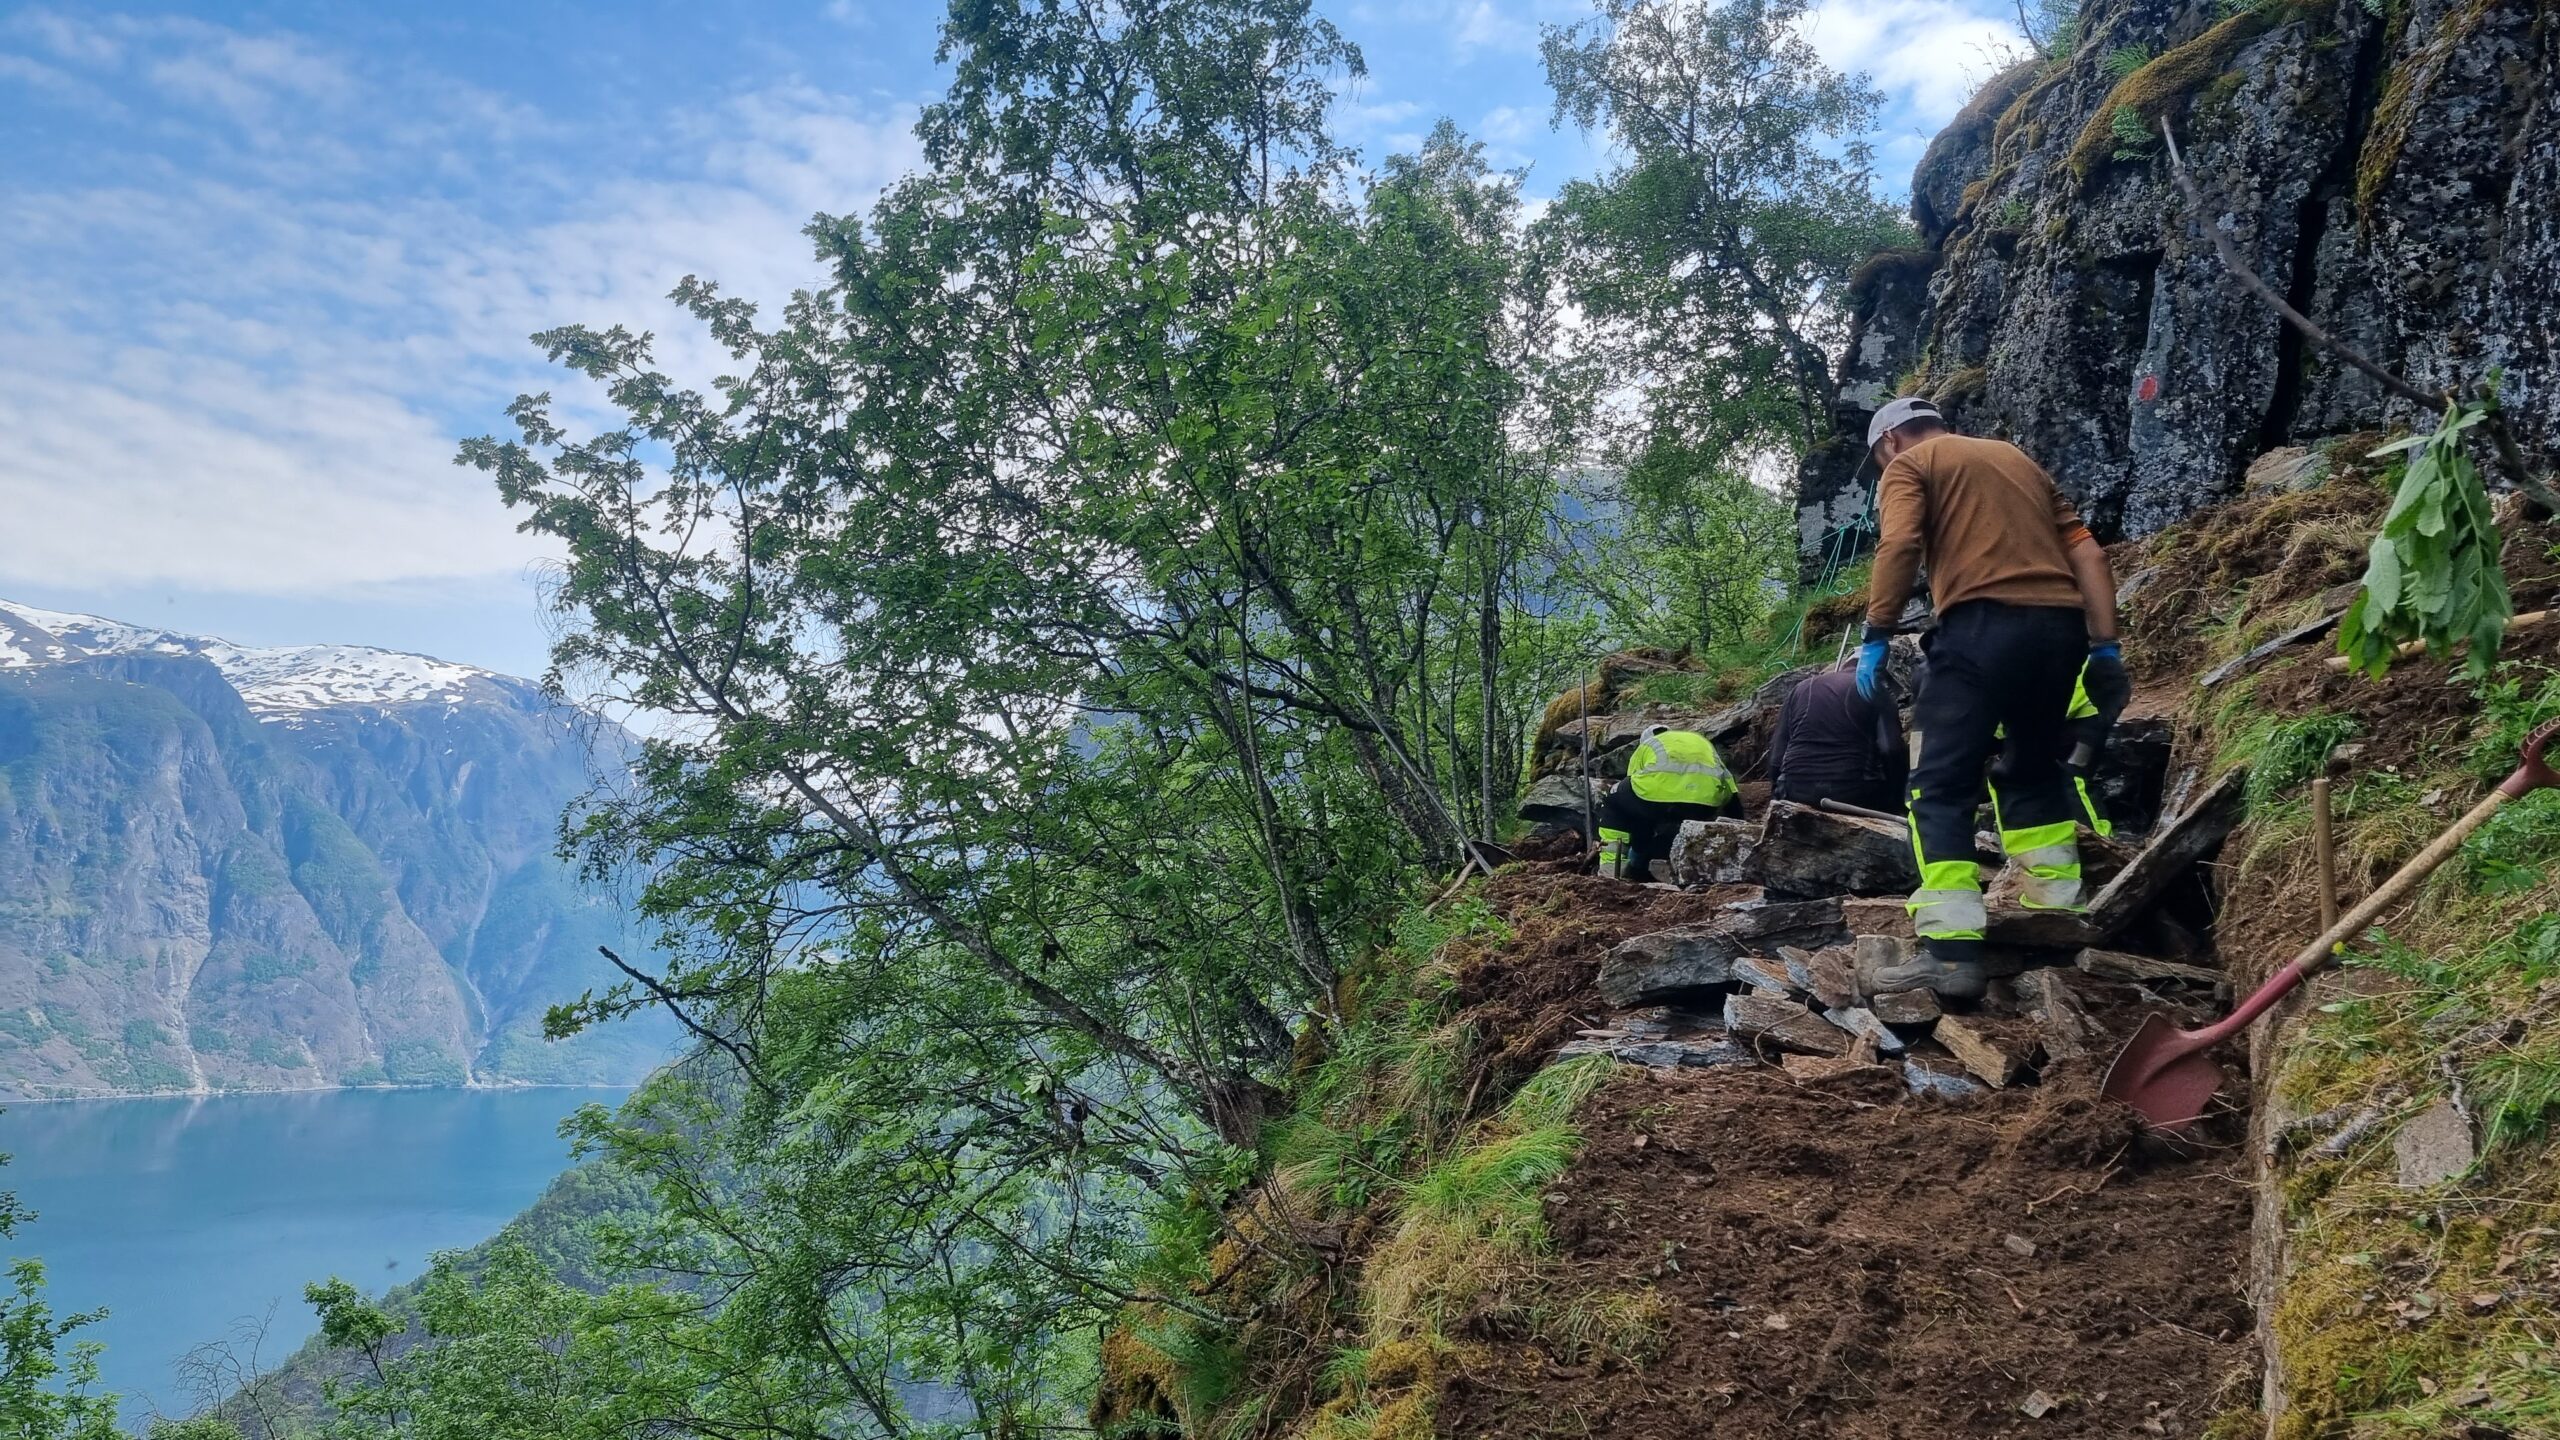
(1679, 767)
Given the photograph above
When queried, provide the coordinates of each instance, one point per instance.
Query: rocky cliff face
(2393, 169)
(228, 868)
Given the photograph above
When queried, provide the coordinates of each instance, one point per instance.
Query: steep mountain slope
(224, 867)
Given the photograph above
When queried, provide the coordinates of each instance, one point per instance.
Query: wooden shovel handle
(2316, 956)
(2535, 773)
(2402, 881)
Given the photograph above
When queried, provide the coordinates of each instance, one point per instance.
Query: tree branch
(2510, 454)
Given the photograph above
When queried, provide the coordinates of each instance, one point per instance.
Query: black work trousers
(1994, 665)
(1650, 826)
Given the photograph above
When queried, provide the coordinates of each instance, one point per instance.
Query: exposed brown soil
(2278, 547)
(1837, 1259)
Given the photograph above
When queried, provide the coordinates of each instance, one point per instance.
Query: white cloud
(1929, 56)
(1499, 26)
(240, 365)
(36, 75)
(137, 470)
(246, 77)
(1509, 124)
(60, 35)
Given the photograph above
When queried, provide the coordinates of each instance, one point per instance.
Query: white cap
(1898, 413)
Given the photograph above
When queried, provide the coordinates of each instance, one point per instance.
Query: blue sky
(266, 262)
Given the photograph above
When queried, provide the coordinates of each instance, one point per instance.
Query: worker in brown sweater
(2026, 607)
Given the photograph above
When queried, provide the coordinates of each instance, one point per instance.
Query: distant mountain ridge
(232, 867)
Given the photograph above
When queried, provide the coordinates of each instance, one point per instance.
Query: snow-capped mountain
(225, 866)
(274, 680)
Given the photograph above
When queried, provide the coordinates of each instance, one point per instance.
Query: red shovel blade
(2165, 1073)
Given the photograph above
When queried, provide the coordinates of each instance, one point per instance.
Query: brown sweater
(1991, 522)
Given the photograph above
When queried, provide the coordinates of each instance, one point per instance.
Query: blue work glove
(2108, 686)
(1871, 661)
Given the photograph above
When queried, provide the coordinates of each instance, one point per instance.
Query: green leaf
(2381, 580)
(2432, 573)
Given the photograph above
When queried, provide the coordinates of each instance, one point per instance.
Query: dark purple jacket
(1832, 744)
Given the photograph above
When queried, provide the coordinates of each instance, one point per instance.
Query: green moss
(2151, 90)
(1887, 266)
(1970, 127)
(2405, 93)
(2012, 124)
(2284, 751)
(1961, 385)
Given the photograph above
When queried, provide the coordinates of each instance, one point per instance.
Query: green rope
(1838, 547)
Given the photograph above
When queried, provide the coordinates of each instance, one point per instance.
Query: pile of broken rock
(1778, 974)
(1785, 982)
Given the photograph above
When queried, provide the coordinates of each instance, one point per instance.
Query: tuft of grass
(1677, 687)
(2282, 753)
(2518, 696)
(1552, 1095)
(2151, 89)
(1584, 1326)
(2514, 853)
(1476, 1221)
(1805, 630)
(1348, 1371)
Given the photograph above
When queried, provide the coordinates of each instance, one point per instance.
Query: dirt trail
(1838, 1258)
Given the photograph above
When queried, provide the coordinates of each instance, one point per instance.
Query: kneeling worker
(1833, 743)
(2026, 608)
(1674, 775)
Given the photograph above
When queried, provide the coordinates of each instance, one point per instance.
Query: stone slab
(1861, 1023)
(2047, 997)
(1806, 851)
(2434, 1146)
(2143, 969)
(1938, 1076)
(1824, 1067)
(1558, 798)
(1906, 1007)
(1667, 964)
(1785, 1024)
(1877, 916)
(1831, 973)
(1994, 1060)
(1762, 972)
(1712, 852)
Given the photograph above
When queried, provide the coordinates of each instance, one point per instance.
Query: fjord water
(184, 1215)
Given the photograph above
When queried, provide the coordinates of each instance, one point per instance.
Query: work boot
(1952, 969)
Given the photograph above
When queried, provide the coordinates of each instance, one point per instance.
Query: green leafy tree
(1070, 628)
(1708, 262)
(1711, 258)
(200, 1427)
(510, 1352)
